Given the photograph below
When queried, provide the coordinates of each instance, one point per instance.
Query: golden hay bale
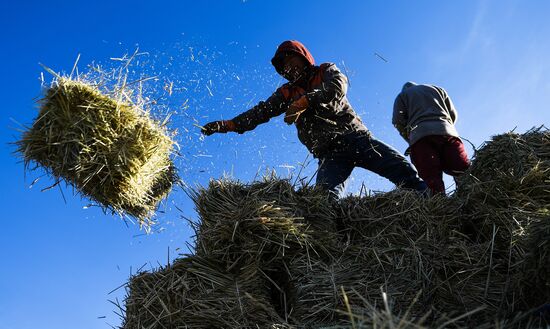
(110, 150)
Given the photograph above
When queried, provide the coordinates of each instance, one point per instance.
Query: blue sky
(59, 261)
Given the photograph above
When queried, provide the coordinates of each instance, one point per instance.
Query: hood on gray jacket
(408, 84)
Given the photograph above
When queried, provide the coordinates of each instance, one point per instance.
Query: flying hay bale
(109, 149)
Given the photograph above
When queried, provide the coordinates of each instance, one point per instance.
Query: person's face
(294, 67)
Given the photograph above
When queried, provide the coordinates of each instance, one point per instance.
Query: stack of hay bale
(105, 146)
(268, 256)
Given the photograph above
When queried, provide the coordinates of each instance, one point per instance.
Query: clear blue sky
(60, 261)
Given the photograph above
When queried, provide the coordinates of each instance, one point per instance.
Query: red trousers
(433, 155)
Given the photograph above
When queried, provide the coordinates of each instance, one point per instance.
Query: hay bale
(317, 298)
(510, 170)
(390, 244)
(111, 150)
(399, 214)
(196, 292)
(474, 276)
(314, 289)
(263, 222)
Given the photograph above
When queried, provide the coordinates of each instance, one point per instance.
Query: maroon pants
(433, 155)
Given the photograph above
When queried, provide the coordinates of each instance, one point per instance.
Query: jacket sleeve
(332, 90)
(450, 106)
(261, 113)
(400, 116)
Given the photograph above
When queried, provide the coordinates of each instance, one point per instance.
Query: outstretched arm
(275, 105)
(261, 113)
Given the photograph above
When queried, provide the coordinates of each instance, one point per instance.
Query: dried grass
(191, 294)
(392, 260)
(112, 151)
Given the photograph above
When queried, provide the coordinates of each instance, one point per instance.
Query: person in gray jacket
(425, 117)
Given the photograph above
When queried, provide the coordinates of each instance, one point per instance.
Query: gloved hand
(295, 109)
(218, 127)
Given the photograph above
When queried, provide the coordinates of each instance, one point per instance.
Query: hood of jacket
(290, 47)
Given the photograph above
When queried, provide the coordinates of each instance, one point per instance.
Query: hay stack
(109, 149)
(472, 260)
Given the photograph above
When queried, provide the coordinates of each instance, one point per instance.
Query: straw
(388, 260)
(109, 149)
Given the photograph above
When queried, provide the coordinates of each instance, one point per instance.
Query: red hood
(290, 46)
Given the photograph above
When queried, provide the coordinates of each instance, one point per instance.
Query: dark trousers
(435, 155)
(363, 150)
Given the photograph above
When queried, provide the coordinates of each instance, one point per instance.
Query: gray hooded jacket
(423, 110)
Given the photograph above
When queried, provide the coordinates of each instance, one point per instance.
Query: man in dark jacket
(425, 116)
(315, 101)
